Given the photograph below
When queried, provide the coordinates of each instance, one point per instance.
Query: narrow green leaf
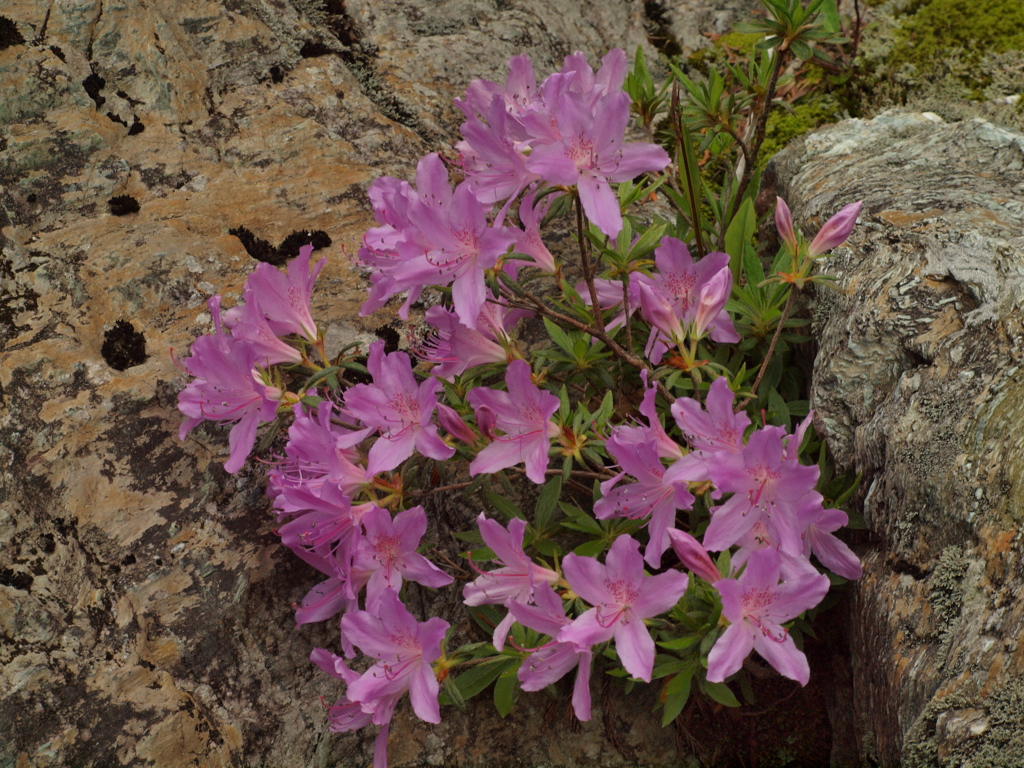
(721, 693)
(677, 692)
(738, 236)
(830, 16)
(506, 691)
(560, 337)
(476, 678)
(503, 505)
(590, 548)
(547, 502)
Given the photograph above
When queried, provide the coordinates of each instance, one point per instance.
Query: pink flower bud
(694, 556)
(836, 230)
(713, 296)
(453, 424)
(659, 313)
(784, 224)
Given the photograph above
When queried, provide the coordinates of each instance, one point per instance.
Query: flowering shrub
(626, 417)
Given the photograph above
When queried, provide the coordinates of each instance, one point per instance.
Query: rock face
(144, 604)
(918, 385)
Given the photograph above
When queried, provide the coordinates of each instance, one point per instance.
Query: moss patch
(935, 39)
(808, 114)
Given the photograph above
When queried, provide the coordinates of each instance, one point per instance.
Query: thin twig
(856, 29)
(588, 274)
(625, 306)
(541, 308)
(677, 129)
(771, 347)
(759, 132)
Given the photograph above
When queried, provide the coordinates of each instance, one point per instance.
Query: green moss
(784, 126)
(930, 30)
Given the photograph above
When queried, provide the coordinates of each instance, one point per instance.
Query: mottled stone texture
(144, 605)
(918, 385)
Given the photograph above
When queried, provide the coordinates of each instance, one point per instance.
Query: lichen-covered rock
(145, 607)
(918, 385)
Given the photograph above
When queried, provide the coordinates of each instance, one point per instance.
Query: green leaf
(752, 267)
(677, 692)
(547, 502)
(679, 643)
(506, 691)
(738, 236)
(800, 49)
(830, 16)
(560, 337)
(477, 678)
(721, 693)
(503, 505)
(590, 548)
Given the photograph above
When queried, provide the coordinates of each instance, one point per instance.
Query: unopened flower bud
(784, 224)
(836, 230)
(659, 313)
(453, 424)
(693, 555)
(713, 296)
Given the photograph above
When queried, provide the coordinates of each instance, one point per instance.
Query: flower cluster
(338, 488)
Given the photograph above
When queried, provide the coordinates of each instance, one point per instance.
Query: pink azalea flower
(252, 325)
(657, 492)
(554, 660)
(715, 429)
(524, 415)
(388, 553)
(405, 650)
(622, 597)
(818, 539)
(400, 408)
(457, 348)
(766, 487)
(589, 153)
(284, 299)
(531, 213)
(680, 282)
(318, 452)
(757, 605)
(227, 387)
(494, 164)
(515, 581)
(398, 239)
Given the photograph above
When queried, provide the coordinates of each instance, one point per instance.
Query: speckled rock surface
(918, 384)
(144, 605)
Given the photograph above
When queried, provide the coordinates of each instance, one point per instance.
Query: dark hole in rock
(390, 337)
(123, 346)
(9, 34)
(93, 84)
(136, 127)
(115, 119)
(31, 198)
(276, 74)
(122, 205)
(311, 49)
(58, 52)
(257, 247)
(15, 579)
(49, 545)
(128, 560)
(289, 247)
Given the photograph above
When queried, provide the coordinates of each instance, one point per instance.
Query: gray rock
(918, 385)
(145, 605)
